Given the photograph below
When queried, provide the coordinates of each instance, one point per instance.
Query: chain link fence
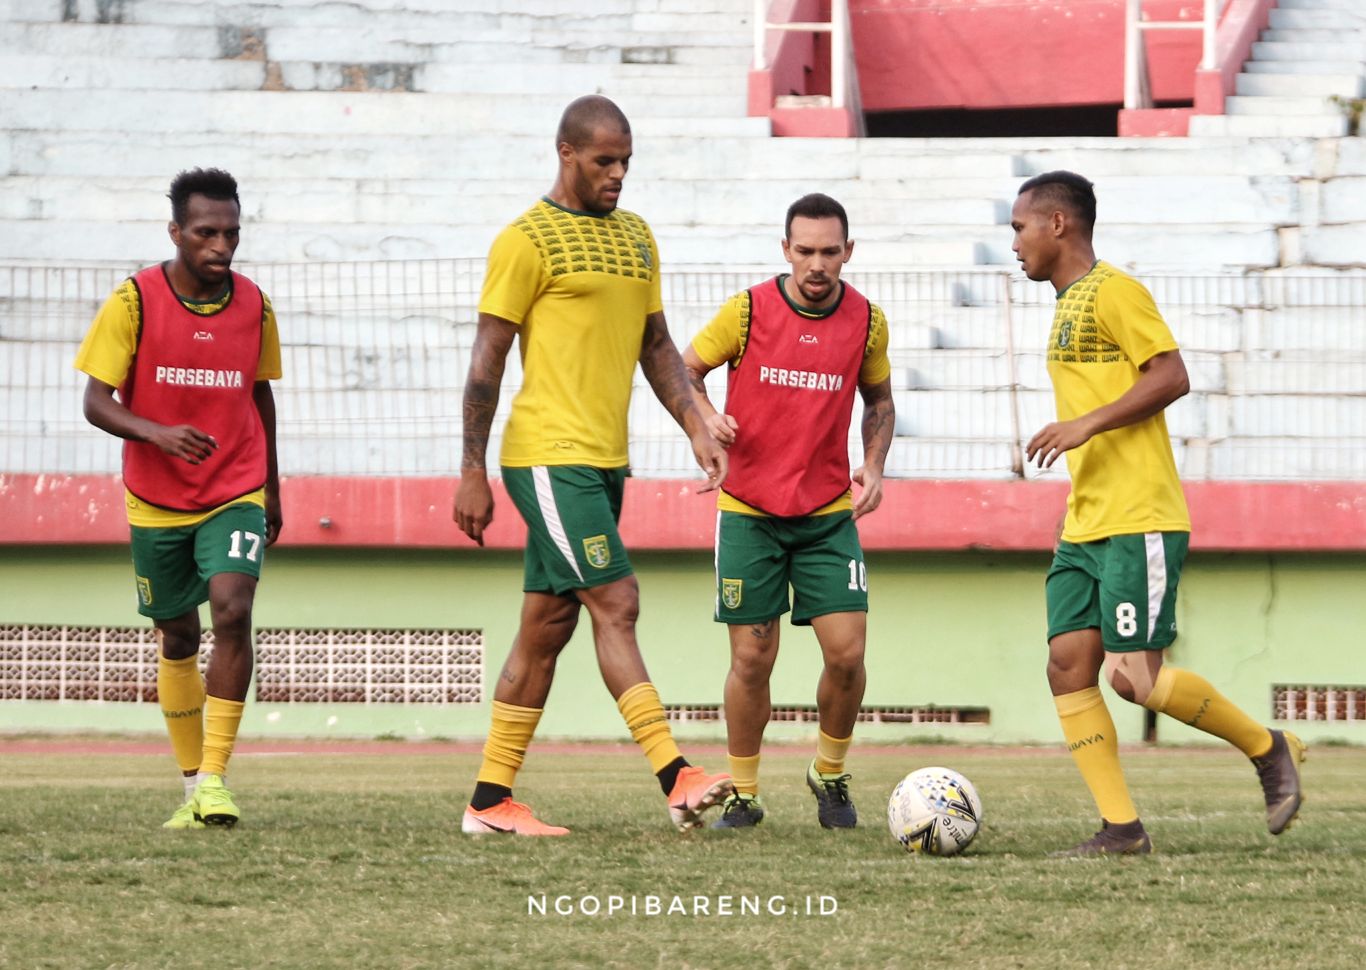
(375, 357)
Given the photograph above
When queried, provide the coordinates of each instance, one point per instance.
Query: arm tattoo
(481, 390)
(663, 368)
(879, 424)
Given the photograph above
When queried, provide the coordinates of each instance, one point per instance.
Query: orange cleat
(506, 818)
(694, 792)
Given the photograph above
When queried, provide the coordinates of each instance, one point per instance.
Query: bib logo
(145, 590)
(732, 591)
(644, 250)
(1064, 334)
(596, 551)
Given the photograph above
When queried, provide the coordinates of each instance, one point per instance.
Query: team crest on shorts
(732, 591)
(145, 590)
(597, 552)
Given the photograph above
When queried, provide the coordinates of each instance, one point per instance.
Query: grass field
(358, 861)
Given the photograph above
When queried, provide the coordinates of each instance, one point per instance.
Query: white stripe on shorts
(1157, 578)
(540, 474)
(716, 563)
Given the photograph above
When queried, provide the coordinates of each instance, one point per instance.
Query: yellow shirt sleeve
(656, 301)
(106, 353)
(1126, 310)
(514, 277)
(723, 339)
(877, 367)
(269, 369)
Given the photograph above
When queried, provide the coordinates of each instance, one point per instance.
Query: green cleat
(740, 811)
(184, 817)
(833, 807)
(213, 803)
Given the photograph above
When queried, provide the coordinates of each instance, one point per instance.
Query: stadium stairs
(375, 130)
(1306, 77)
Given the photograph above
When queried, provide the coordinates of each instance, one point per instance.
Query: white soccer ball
(934, 811)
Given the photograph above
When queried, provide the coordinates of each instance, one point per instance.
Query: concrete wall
(945, 629)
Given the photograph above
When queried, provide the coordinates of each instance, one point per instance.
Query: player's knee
(1058, 670)
(616, 605)
(844, 662)
(1066, 674)
(1122, 685)
(1132, 689)
(178, 638)
(560, 630)
(751, 667)
(1074, 661)
(559, 624)
(232, 616)
(178, 646)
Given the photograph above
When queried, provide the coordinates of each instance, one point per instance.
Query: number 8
(1126, 620)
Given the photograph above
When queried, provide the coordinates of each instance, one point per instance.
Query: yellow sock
(1090, 734)
(644, 716)
(1192, 700)
(180, 691)
(221, 718)
(510, 732)
(830, 753)
(744, 771)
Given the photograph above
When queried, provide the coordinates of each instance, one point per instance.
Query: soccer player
(191, 348)
(796, 347)
(1111, 590)
(576, 281)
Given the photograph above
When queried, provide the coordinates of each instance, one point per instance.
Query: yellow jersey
(579, 286)
(723, 341)
(1124, 481)
(106, 354)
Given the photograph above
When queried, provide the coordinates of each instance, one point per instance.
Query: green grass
(359, 862)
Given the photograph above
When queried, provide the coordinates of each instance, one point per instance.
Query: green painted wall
(945, 629)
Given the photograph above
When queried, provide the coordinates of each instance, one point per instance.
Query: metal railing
(1137, 93)
(376, 353)
(844, 87)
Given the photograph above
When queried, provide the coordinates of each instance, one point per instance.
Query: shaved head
(586, 115)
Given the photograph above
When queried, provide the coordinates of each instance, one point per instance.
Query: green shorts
(173, 566)
(1125, 586)
(757, 558)
(571, 514)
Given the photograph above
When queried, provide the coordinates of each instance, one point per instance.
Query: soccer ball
(934, 811)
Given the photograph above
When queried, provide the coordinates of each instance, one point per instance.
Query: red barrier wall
(917, 54)
(667, 514)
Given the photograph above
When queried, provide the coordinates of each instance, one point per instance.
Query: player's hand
(184, 441)
(473, 504)
(1053, 439)
(711, 458)
(723, 428)
(275, 518)
(871, 495)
